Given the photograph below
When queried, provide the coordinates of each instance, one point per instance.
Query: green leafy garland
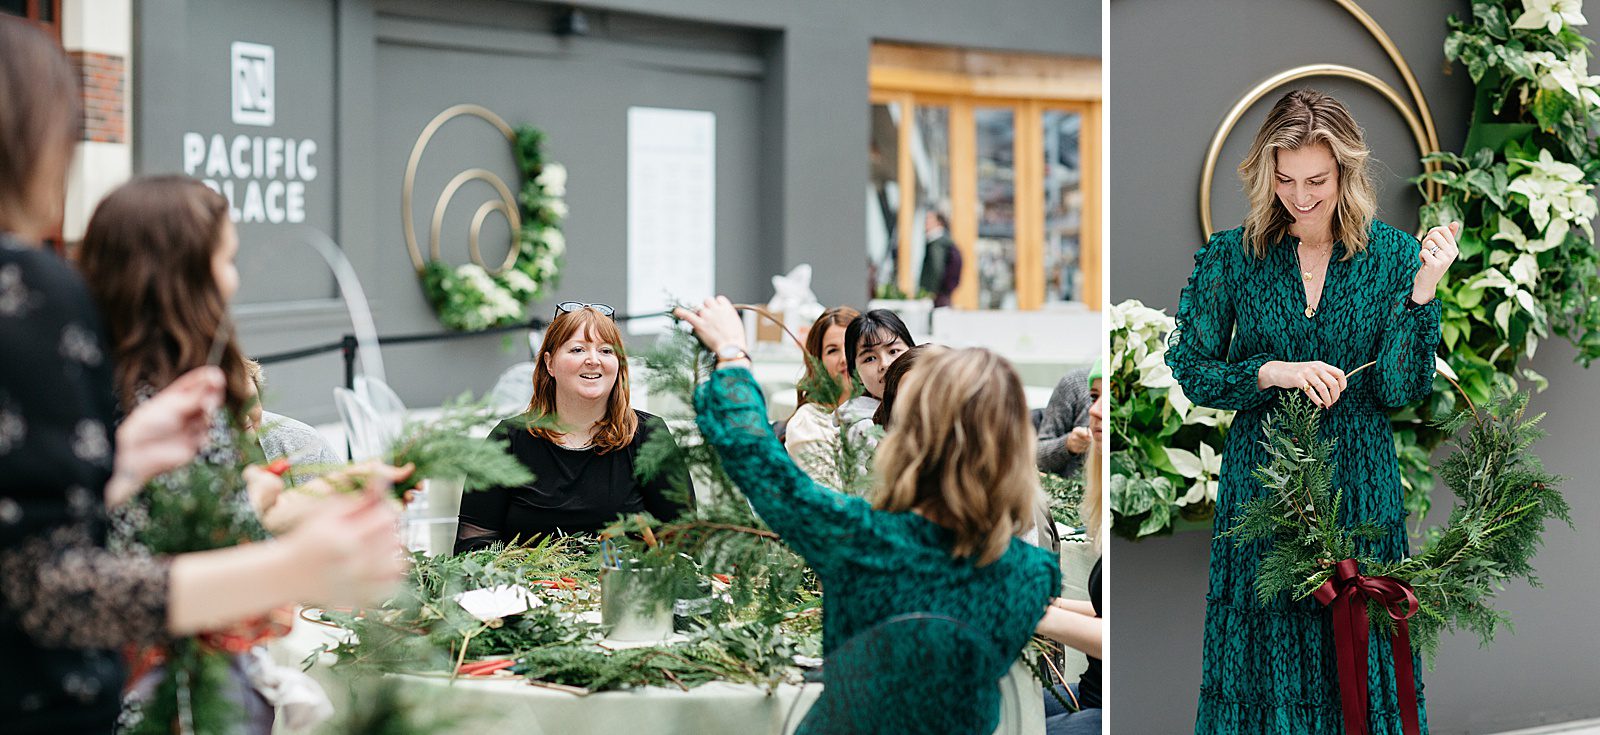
(468, 298)
(1506, 499)
(1523, 189)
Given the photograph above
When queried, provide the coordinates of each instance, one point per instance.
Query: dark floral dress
(1271, 669)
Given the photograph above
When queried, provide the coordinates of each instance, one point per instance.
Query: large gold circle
(506, 205)
(1208, 171)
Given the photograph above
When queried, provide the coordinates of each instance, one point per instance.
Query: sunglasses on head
(567, 307)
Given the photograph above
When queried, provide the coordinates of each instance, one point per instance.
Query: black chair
(912, 673)
(1037, 417)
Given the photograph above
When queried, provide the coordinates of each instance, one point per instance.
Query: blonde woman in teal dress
(1310, 288)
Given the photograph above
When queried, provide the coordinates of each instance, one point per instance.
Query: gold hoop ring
(507, 204)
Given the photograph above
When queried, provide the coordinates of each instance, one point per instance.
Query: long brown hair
(962, 452)
(1306, 117)
(39, 121)
(147, 257)
(838, 316)
(616, 429)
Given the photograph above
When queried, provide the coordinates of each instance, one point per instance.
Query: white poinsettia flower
(1204, 469)
(1569, 73)
(558, 207)
(1553, 236)
(1550, 15)
(1556, 188)
(1184, 407)
(1526, 270)
(1154, 373)
(1118, 319)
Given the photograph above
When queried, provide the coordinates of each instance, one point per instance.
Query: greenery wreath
(471, 298)
(1505, 495)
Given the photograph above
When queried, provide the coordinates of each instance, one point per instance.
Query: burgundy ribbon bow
(1347, 593)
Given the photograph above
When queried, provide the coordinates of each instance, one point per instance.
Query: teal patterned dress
(876, 565)
(1271, 668)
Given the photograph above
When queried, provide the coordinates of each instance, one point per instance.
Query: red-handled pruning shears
(278, 467)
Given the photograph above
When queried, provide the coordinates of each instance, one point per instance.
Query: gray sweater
(1068, 408)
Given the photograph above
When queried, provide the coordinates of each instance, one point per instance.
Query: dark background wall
(788, 83)
(1176, 69)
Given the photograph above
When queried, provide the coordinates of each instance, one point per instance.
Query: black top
(573, 491)
(1089, 683)
(64, 600)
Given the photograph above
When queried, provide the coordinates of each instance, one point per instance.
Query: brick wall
(104, 79)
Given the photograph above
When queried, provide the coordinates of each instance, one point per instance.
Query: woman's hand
(165, 432)
(1438, 251)
(1079, 439)
(716, 323)
(313, 497)
(263, 487)
(1321, 381)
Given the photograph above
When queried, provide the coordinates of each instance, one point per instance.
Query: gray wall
(1176, 69)
(788, 83)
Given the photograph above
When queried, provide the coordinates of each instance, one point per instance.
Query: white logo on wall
(252, 84)
(263, 176)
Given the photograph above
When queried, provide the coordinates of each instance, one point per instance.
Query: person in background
(158, 257)
(66, 603)
(285, 438)
(579, 437)
(1063, 429)
(811, 436)
(1079, 623)
(941, 260)
(872, 343)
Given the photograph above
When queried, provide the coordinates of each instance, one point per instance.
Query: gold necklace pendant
(1310, 312)
(1307, 275)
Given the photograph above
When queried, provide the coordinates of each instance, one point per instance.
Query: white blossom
(1569, 74)
(553, 179)
(1550, 14)
(1205, 469)
(1555, 188)
(555, 241)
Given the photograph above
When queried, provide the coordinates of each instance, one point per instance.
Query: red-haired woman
(579, 437)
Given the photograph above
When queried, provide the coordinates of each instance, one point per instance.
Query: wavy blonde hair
(1306, 117)
(961, 452)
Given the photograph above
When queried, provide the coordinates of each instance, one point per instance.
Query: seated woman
(1079, 623)
(872, 343)
(579, 438)
(956, 482)
(1063, 429)
(812, 433)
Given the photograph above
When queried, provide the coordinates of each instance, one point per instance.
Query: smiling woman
(579, 437)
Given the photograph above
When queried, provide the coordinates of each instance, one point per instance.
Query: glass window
(1063, 206)
(883, 195)
(996, 245)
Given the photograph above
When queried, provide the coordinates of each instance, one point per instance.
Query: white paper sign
(671, 210)
(497, 602)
